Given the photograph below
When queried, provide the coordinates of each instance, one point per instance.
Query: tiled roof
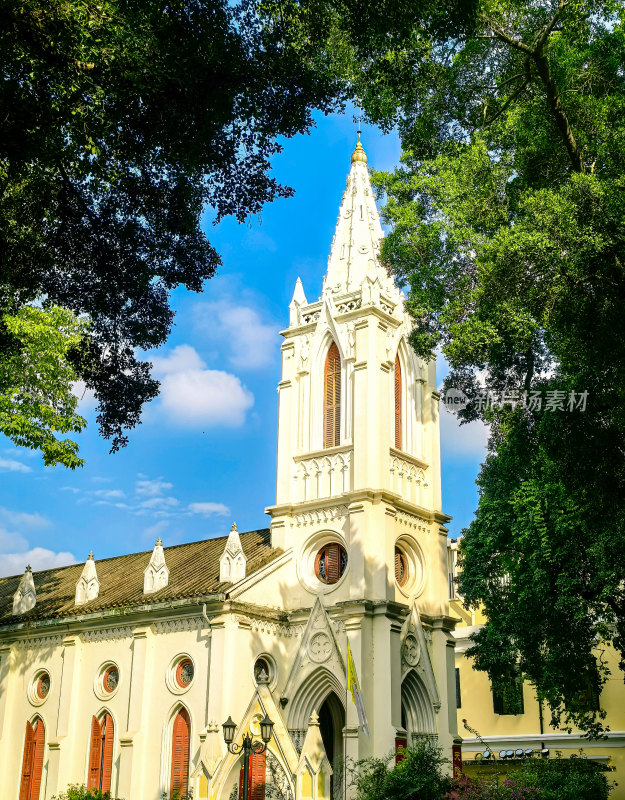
(193, 571)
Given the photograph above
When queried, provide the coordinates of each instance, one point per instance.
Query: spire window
(397, 404)
(332, 398)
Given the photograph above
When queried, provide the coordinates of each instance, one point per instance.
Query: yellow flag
(354, 687)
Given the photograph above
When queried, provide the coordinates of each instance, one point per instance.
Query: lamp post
(248, 745)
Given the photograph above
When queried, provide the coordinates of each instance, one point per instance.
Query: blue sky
(204, 455)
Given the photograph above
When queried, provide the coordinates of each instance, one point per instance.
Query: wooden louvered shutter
(397, 404)
(40, 742)
(95, 755)
(333, 563)
(332, 398)
(256, 789)
(180, 754)
(27, 762)
(107, 753)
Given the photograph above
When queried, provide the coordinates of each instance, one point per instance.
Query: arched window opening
(401, 566)
(101, 753)
(397, 404)
(330, 563)
(332, 398)
(32, 762)
(180, 750)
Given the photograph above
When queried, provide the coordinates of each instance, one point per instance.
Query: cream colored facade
(523, 731)
(365, 493)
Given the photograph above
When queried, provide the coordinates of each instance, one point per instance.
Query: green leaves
(36, 377)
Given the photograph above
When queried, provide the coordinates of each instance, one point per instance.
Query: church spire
(358, 233)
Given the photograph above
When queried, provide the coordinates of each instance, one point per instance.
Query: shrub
(80, 792)
(565, 778)
(418, 777)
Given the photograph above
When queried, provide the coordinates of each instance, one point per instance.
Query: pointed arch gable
(417, 705)
(311, 694)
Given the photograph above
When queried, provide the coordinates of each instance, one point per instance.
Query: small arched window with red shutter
(332, 398)
(32, 761)
(180, 750)
(397, 404)
(101, 753)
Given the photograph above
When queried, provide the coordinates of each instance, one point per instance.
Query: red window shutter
(397, 404)
(40, 742)
(95, 755)
(257, 776)
(108, 732)
(332, 398)
(180, 753)
(27, 762)
(332, 563)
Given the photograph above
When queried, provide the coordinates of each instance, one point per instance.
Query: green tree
(508, 230)
(120, 123)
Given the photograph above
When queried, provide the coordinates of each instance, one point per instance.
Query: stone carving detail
(326, 476)
(40, 641)
(408, 480)
(320, 647)
(320, 515)
(411, 521)
(410, 650)
(349, 305)
(179, 625)
(106, 634)
(276, 628)
(313, 316)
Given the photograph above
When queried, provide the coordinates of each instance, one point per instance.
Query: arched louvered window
(32, 762)
(101, 754)
(256, 777)
(332, 398)
(181, 735)
(397, 404)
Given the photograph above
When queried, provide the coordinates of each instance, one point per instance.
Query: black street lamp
(248, 745)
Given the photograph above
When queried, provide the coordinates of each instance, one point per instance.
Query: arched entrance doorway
(417, 709)
(331, 724)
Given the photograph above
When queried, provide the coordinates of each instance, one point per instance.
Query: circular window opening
(262, 671)
(185, 672)
(110, 680)
(330, 563)
(401, 567)
(43, 686)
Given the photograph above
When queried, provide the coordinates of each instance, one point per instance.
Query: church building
(119, 673)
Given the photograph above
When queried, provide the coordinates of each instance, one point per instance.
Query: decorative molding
(267, 626)
(106, 634)
(179, 625)
(40, 641)
(411, 521)
(320, 515)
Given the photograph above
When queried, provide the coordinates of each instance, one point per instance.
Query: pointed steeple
(358, 232)
(233, 561)
(25, 597)
(156, 574)
(297, 303)
(314, 770)
(88, 585)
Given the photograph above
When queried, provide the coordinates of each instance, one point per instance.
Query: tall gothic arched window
(332, 398)
(397, 404)
(101, 753)
(32, 762)
(180, 750)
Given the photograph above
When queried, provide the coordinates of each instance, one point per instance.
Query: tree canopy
(508, 229)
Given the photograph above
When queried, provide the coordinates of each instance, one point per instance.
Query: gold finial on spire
(359, 153)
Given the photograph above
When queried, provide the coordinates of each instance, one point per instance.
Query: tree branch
(506, 105)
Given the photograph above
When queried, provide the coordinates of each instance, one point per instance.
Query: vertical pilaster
(52, 778)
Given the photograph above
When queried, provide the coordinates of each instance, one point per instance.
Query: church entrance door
(331, 724)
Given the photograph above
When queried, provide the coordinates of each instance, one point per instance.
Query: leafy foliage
(508, 217)
(419, 776)
(120, 122)
(80, 792)
(36, 376)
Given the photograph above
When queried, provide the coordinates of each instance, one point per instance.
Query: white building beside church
(120, 673)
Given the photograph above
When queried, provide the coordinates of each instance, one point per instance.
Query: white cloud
(11, 465)
(86, 397)
(109, 493)
(10, 540)
(72, 489)
(208, 509)
(22, 518)
(251, 342)
(38, 557)
(192, 395)
(151, 488)
(156, 530)
(462, 440)
(159, 503)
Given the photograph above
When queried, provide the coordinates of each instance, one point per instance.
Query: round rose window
(184, 673)
(330, 563)
(43, 686)
(110, 680)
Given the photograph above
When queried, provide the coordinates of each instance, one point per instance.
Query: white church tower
(358, 497)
